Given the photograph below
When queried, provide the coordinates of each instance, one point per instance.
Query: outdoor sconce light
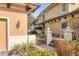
(18, 25)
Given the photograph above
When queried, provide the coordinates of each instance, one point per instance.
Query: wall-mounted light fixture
(18, 24)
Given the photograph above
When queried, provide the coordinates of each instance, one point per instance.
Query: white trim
(62, 10)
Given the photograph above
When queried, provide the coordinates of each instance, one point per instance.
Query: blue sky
(40, 9)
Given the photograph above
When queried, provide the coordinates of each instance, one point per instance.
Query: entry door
(3, 35)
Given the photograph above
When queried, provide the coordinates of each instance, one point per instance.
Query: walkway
(44, 46)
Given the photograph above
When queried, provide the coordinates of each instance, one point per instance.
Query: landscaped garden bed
(44, 52)
(29, 50)
(66, 48)
(63, 48)
(24, 47)
(19, 49)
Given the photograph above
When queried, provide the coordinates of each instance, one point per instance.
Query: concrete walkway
(44, 46)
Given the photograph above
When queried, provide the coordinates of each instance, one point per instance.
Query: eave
(71, 13)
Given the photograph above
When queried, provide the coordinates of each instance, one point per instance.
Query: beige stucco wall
(55, 26)
(13, 18)
(55, 12)
(73, 7)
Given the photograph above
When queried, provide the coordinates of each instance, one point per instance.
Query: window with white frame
(64, 7)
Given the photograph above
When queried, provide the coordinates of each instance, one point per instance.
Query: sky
(40, 9)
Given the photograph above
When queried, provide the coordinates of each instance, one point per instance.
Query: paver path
(44, 46)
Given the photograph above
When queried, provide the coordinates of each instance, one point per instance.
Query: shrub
(54, 42)
(24, 47)
(40, 53)
(63, 48)
(67, 48)
(76, 52)
(40, 39)
(32, 32)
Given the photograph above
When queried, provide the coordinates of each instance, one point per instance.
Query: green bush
(40, 53)
(41, 38)
(32, 32)
(17, 47)
(67, 48)
(23, 47)
(53, 42)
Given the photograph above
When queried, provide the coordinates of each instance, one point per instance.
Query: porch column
(67, 34)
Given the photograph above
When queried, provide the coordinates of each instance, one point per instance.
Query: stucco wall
(73, 7)
(14, 40)
(55, 26)
(55, 11)
(13, 18)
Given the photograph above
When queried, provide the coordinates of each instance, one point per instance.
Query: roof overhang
(20, 6)
(71, 13)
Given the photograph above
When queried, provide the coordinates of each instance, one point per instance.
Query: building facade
(14, 23)
(56, 15)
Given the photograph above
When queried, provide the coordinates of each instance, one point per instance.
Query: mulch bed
(13, 52)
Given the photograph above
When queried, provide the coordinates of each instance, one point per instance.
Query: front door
(3, 34)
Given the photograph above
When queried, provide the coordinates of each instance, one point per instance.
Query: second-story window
(64, 7)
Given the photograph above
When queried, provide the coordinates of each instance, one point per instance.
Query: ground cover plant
(24, 47)
(44, 52)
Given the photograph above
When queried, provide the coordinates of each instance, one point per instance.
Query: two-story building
(56, 15)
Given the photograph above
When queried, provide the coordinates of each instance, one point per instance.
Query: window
(64, 7)
(64, 25)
